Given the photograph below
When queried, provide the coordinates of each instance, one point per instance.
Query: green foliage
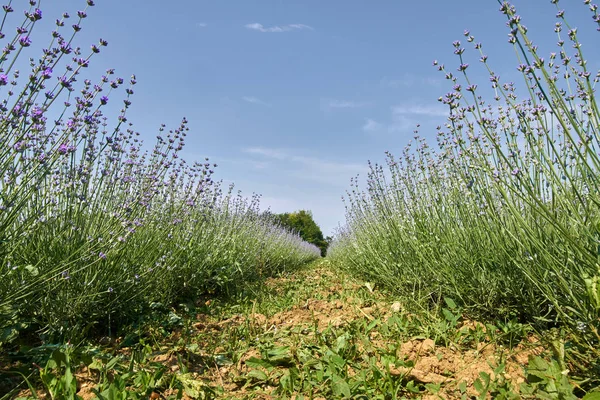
(547, 380)
(302, 222)
(57, 376)
(503, 215)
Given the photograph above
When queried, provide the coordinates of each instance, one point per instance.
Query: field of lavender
(503, 215)
(95, 230)
(497, 224)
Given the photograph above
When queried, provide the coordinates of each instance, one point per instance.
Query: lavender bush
(93, 228)
(504, 214)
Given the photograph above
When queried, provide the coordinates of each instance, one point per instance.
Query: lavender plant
(93, 227)
(503, 215)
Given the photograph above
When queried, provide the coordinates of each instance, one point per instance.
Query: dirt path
(314, 334)
(320, 334)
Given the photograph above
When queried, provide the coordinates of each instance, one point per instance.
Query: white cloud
(255, 100)
(201, 24)
(401, 123)
(409, 80)
(345, 104)
(371, 125)
(404, 118)
(329, 104)
(278, 28)
(310, 168)
(269, 153)
(431, 111)
(405, 81)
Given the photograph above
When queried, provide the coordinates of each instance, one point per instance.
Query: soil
(334, 305)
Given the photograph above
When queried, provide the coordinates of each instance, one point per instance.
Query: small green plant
(547, 380)
(58, 377)
(496, 385)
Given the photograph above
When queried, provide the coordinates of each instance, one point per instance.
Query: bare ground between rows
(333, 304)
(327, 300)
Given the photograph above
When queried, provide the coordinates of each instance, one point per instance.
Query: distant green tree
(302, 222)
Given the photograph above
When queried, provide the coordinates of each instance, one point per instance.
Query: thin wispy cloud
(267, 152)
(409, 80)
(255, 100)
(430, 111)
(371, 126)
(201, 24)
(245, 163)
(401, 123)
(310, 168)
(405, 118)
(278, 28)
(329, 104)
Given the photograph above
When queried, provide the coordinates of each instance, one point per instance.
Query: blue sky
(292, 97)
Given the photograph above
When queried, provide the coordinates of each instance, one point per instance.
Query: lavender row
(502, 215)
(94, 227)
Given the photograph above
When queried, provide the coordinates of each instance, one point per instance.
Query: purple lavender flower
(64, 81)
(76, 28)
(81, 14)
(103, 100)
(3, 79)
(25, 41)
(20, 146)
(103, 256)
(65, 48)
(63, 149)
(37, 14)
(47, 73)
(37, 114)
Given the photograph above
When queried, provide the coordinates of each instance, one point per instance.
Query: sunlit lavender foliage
(504, 214)
(93, 227)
